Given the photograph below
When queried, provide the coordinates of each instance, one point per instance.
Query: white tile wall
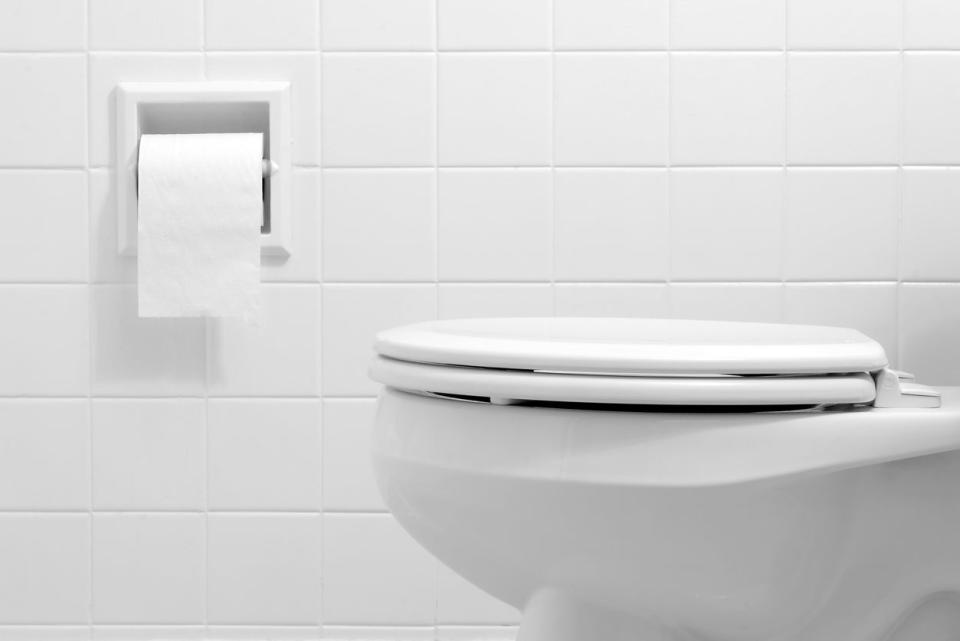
(787, 160)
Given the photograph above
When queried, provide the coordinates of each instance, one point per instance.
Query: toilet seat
(641, 362)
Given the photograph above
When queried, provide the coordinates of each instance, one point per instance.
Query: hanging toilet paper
(200, 208)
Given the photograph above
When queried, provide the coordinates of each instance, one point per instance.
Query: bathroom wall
(745, 159)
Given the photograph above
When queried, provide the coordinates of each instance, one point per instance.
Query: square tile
(841, 224)
(46, 568)
(45, 342)
(264, 455)
(844, 24)
(302, 71)
(494, 24)
(45, 237)
(378, 109)
(148, 454)
(278, 357)
(143, 356)
(626, 300)
(303, 262)
(844, 109)
(352, 315)
(479, 300)
(375, 573)
(760, 303)
(43, 25)
(929, 342)
(264, 569)
(494, 109)
(348, 480)
(611, 24)
(502, 213)
(109, 69)
(931, 100)
(44, 461)
(460, 602)
(611, 224)
(611, 109)
(43, 122)
(146, 24)
(379, 225)
(727, 24)
(931, 24)
(727, 109)
(726, 224)
(261, 632)
(400, 25)
(148, 568)
(869, 308)
(378, 633)
(262, 25)
(930, 226)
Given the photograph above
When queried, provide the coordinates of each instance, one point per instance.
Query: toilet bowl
(651, 480)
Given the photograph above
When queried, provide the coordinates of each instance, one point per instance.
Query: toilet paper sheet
(200, 208)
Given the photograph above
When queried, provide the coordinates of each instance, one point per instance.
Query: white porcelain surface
(379, 110)
(148, 568)
(565, 478)
(148, 454)
(927, 24)
(602, 119)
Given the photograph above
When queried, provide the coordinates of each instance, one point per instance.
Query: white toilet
(662, 480)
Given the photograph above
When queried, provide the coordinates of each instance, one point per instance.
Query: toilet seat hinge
(893, 391)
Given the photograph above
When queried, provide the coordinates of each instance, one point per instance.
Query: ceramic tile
(478, 300)
(148, 454)
(261, 24)
(264, 455)
(348, 480)
(611, 109)
(494, 24)
(759, 303)
(611, 24)
(929, 24)
(400, 25)
(930, 226)
(931, 104)
(146, 25)
(148, 568)
(844, 24)
(44, 461)
(929, 343)
(629, 300)
(727, 24)
(43, 25)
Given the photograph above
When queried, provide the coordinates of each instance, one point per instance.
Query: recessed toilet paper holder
(207, 107)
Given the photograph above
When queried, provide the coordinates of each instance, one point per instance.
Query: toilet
(668, 480)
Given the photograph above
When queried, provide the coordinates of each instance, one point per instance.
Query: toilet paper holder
(207, 107)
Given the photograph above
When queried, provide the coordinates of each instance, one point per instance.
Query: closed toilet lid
(634, 347)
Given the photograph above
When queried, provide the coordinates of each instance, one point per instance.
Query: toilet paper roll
(200, 208)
